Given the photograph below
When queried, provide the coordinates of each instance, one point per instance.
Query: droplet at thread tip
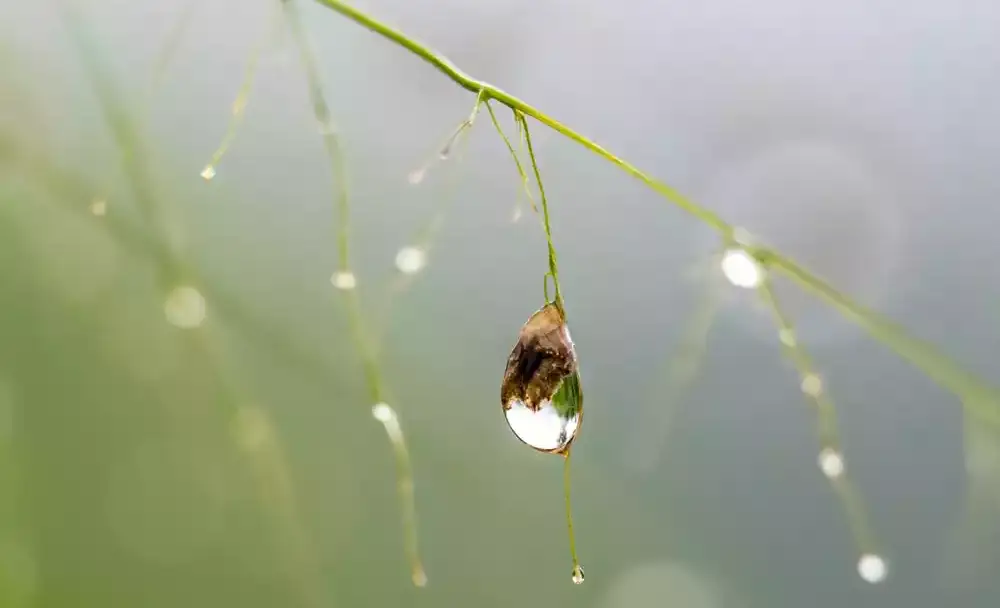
(578, 576)
(208, 173)
(872, 568)
(344, 279)
(419, 578)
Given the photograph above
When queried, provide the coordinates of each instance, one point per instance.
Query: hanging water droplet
(344, 279)
(541, 394)
(872, 568)
(208, 173)
(578, 576)
(410, 260)
(741, 269)
(185, 307)
(517, 214)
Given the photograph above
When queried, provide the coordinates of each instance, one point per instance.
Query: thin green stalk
(171, 266)
(513, 153)
(363, 342)
(979, 397)
(569, 519)
(846, 492)
(553, 262)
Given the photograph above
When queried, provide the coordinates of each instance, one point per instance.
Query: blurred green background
(142, 464)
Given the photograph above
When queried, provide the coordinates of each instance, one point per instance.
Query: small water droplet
(344, 279)
(812, 385)
(416, 176)
(185, 307)
(872, 568)
(99, 207)
(831, 463)
(410, 260)
(517, 214)
(578, 576)
(419, 578)
(208, 173)
(541, 394)
(741, 269)
(787, 337)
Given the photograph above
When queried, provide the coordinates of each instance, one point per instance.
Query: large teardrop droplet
(541, 394)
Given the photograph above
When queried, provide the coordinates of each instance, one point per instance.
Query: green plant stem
(979, 397)
(553, 261)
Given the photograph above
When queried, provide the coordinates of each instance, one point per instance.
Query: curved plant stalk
(680, 374)
(171, 269)
(871, 565)
(363, 342)
(980, 398)
(238, 108)
(411, 259)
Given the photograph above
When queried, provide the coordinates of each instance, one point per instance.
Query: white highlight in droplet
(872, 568)
(344, 279)
(741, 269)
(185, 307)
(410, 260)
(208, 173)
(99, 207)
(831, 463)
(812, 385)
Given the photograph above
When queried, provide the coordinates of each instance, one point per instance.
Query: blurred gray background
(860, 137)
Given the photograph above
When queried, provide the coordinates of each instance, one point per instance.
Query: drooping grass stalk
(239, 105)
(979, 397)
(831, 459)
(680, 374)
(412, 258)
(171, 268)
(517, 161)
(363, 342)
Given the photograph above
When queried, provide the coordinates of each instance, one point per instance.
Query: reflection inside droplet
(544, 428)
(541, 394)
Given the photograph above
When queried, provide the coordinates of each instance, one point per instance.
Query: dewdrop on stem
(185, 307)
(344, 279)
(578, 576)
(872, 568)
(208, 173)
(411, 260)
(831, 462)
(742, 269)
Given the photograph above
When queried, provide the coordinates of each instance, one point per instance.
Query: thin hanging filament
(345, 280)
(681, 372)
(444, 151)
(577, 572)
(871, 566)
(553, 261)
(413, 257)
(404, 475)
(525, 187)
(237, 112)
